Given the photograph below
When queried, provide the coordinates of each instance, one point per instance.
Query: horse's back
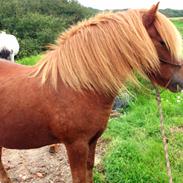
(8, 68)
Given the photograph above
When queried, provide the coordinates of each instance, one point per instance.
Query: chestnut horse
(67, 97)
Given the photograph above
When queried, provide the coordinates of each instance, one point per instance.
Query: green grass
(29, 60)
(136, 152)
(179, 24)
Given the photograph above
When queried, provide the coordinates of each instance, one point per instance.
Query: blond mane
(100, 53)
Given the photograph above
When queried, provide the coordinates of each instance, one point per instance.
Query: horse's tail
(5, 54)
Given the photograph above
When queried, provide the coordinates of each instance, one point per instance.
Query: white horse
(9, 46)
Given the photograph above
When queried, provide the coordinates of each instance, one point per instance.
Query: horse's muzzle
(176, 84)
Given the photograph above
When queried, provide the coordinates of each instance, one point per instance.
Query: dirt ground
(39, 166)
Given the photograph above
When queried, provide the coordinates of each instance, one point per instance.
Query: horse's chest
(79, 121)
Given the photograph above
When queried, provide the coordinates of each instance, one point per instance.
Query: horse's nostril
(176, 85)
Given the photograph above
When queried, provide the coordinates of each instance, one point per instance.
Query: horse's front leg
(90, 161)
(91, 156)
(3, 176)
(78, 154)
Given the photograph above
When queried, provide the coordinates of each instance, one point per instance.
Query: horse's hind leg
(54, 148)
(3, 176)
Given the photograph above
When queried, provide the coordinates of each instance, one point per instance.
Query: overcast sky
(121, 4)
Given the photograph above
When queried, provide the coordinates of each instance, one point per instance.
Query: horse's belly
(25, 134)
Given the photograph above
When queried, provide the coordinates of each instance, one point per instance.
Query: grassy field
(135, 152)
(29, 60)
(179, 24)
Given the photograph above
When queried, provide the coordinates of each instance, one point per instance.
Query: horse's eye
(162, 43)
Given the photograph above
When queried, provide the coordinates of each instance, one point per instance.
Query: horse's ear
(149, 17)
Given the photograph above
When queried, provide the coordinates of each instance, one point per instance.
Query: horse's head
(170, 74)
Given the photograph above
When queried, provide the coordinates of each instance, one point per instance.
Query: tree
(38, 22)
